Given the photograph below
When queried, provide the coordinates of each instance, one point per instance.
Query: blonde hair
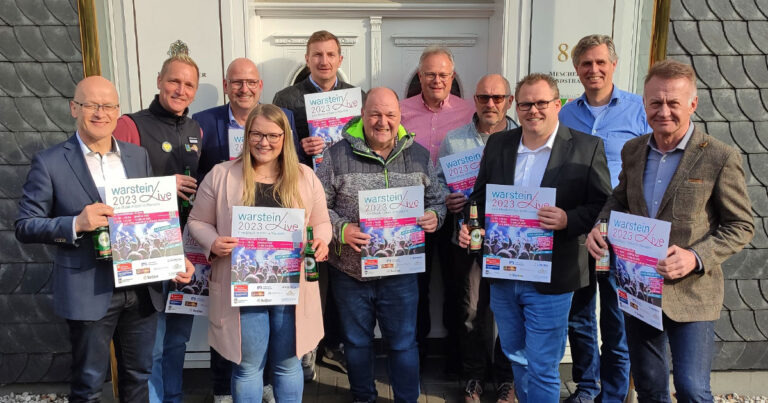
(286, 187)
(181, 58)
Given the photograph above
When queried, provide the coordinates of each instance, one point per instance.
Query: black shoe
(335, 357)
(308, 366)
(505, 393)
(579, 397)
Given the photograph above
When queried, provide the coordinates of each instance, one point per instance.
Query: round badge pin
(167, 146)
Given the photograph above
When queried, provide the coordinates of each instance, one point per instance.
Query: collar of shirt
(615, 98)
(446, 103)
(232, 121)
(548, 145)
(680, 146)
(87, 151)
(335, 83)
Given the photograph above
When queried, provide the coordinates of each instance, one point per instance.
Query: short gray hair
(589, 42)
(436, 50)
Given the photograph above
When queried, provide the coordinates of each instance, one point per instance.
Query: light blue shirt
(232, 121)
(622, 120)
(318, 87)
(531, 164)
(659, 169)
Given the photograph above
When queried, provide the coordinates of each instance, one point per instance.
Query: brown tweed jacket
(707, 203)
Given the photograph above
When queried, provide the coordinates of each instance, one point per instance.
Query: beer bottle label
(476, 239)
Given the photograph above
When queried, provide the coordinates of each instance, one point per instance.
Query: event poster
(236, 139)
(516, 247)
(397, 242)
(461, 169)
(638, 243)
(192, 298)
(328, 112)
(144, 230)
(266, 263)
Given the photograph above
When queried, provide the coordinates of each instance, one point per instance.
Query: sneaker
(308, 366)
(267, 394)
(505, 393)
(335, 357)
(473, 391)
(222, 399)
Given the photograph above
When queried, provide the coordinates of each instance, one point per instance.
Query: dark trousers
(331, 322)
(468, 319)
(221, 374)
(132, 321)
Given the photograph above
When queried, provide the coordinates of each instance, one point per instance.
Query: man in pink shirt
(434, 112)
(430, 116)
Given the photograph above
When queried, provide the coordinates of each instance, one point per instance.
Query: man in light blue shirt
(615, 116)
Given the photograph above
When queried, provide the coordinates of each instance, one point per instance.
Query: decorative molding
(375, 22)
(288, 39)
(456, 40)
(364, 9)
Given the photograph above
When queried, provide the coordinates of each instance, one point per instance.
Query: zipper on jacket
(380, 160)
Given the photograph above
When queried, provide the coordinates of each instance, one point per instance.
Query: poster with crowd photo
(638, 243)
(144, 230)
(236, 139)
(328, 112)
(516, 247)
(192, 298)
(397, 242)
(266, 263)
(461, 169)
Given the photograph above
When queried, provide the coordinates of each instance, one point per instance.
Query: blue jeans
(268, 330)
(393, 302)
(165, 383)
(610, 365)
(692, 345)
(532, 330)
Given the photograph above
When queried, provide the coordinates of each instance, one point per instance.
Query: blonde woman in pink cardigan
(267, 174)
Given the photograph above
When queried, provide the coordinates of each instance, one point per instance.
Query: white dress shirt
(531, 164)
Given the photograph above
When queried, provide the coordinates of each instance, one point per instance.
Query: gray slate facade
(40, 64)
(726, 41)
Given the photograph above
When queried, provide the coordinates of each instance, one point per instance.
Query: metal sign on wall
(555, 30)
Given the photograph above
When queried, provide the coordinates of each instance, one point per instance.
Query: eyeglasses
(526, 106)
(92, 108)
(256, 137)
(433, 76)
(238, 84)
(497, 99)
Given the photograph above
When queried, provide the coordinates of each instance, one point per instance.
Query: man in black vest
(172, 141)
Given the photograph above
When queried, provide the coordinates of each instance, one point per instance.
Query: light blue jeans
(268, 330)
(165, 382)
(532, 331)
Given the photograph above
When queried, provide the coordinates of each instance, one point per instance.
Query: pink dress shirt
(431, 126)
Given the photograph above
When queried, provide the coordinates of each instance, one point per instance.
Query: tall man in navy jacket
(62, 203)
(243, 86)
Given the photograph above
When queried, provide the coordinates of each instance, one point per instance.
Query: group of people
(606, 150)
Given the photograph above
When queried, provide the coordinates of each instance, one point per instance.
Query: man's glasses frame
(526, 106)
(93, 108)
(238, 84)
(497, 99)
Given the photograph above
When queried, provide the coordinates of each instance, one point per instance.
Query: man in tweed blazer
(681, 175)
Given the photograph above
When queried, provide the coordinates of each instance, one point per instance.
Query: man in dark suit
(243, 86)
(681, 175)
(533, 317)
(62, 203)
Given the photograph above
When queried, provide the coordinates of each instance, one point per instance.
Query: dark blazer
(707, 203)
(578, 169)
(215, 145)
(58, 187)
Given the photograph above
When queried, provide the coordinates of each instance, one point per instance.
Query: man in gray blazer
(681, 175)
(62, 203)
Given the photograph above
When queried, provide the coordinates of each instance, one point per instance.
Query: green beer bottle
(310, 264)
(475, 231)
(101, 243)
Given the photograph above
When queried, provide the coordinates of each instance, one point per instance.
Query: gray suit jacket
(58, 187)
(707, 203)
